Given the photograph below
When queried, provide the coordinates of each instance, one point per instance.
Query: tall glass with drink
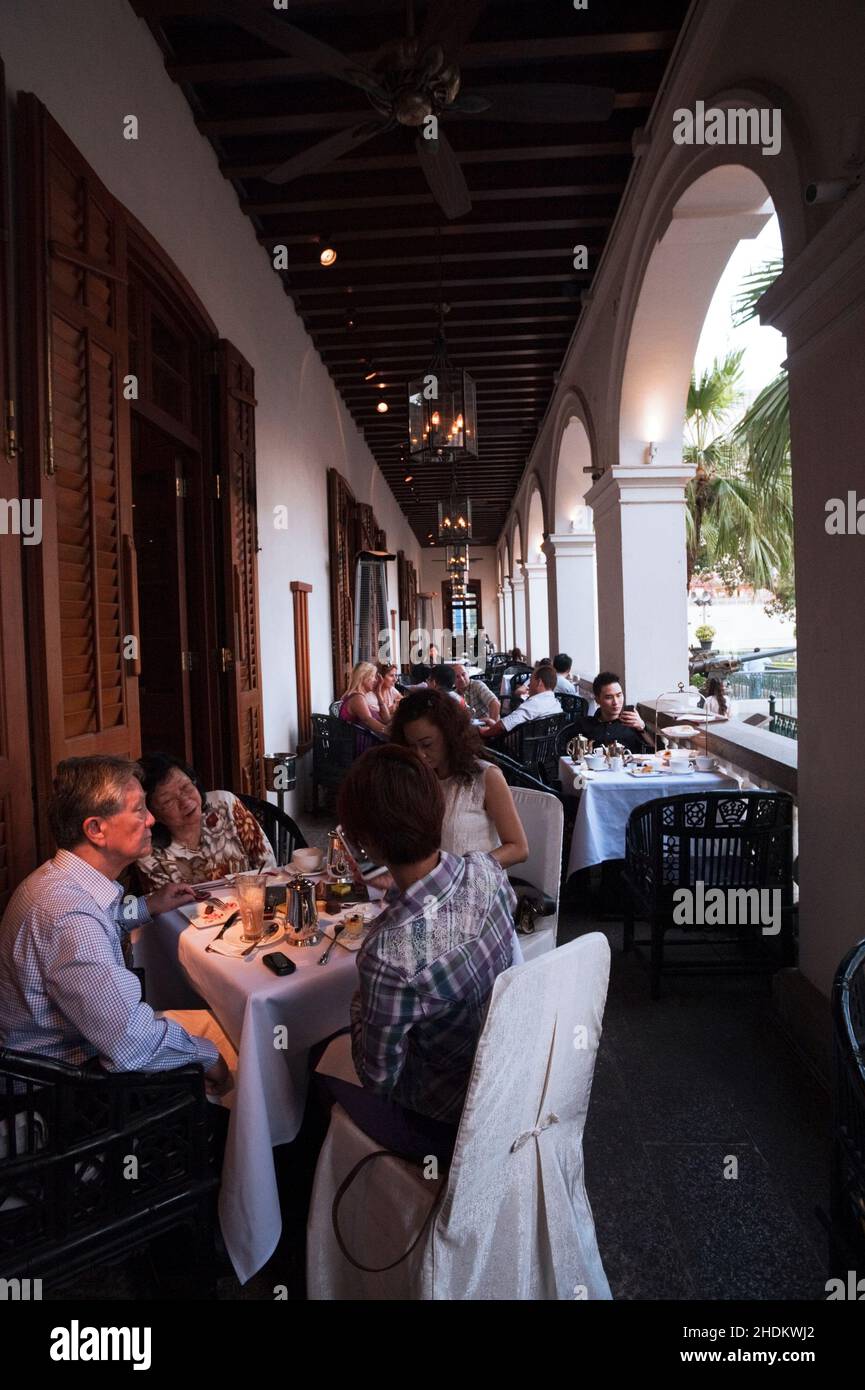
(250, 898)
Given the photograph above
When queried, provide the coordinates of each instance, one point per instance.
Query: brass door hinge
(226, 659)
(188, 661)
(181, 486)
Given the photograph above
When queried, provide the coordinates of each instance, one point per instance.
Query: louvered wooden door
(75, 351)
(242, 658)
(17, 846)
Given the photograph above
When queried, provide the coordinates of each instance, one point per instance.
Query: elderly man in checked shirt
(427, 967)
(65, 991)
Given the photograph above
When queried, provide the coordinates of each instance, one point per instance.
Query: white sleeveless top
(466, 827)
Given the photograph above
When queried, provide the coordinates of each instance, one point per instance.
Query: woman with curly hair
(480, 814)
(198, 836)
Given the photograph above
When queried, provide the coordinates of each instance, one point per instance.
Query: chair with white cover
(543, 820)
(510, 1218)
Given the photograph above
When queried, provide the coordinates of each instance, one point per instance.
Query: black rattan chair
(94, 1166)
(574, 706)
(726, 839)
(335, 745)
(494, 672)
(534, 744)
(282, 832)
(515, 774)
(848, 1149)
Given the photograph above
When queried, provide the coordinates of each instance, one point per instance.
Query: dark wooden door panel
(75, 353)
(240, 545)
(17, 841)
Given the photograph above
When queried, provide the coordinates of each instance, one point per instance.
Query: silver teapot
(301, 914)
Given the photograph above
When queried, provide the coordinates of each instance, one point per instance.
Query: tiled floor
(689, 1090)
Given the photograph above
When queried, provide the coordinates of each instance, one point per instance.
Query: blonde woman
(359, 704)
(388, 696)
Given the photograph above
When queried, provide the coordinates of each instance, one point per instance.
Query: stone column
(639, 513)
(518, 584)
(537, 614)
(507, 614)
(500, 635)
(819, 304)
(573, 597)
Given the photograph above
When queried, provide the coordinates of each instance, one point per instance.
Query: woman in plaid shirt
(429, 962)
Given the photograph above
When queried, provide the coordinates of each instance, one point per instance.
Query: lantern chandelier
(442, 402)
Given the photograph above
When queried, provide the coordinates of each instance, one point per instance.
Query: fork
(337, 931)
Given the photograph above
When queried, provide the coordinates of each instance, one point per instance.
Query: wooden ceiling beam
(496, 55)
(263, 208)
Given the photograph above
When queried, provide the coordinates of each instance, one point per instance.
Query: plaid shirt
(65, 991)
(426, 972)
(478, 698)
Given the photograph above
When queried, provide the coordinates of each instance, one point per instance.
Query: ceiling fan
(411, 79)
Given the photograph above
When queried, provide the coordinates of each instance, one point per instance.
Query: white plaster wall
(92, 62)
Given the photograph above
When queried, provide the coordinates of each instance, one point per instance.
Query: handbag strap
(337, 1202)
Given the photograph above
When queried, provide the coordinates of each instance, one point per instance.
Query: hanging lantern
(455, 520)
(442, 410)
(457, 558)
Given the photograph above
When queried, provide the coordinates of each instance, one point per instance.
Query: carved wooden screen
(76, 422)
(17, 847)
(300, 596)
(240, 544)
(407, 592)
(351, 527)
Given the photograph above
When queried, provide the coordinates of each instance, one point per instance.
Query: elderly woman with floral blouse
(198, 836)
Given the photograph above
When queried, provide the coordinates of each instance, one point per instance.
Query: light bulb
(328, 256)
(382, 407)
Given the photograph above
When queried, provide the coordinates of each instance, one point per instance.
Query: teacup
(616, 764)
(595, 761)
(309, 860)
(705, 763)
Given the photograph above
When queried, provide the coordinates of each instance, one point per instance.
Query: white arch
(574, 456)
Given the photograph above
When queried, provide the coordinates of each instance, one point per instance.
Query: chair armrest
(27, 1066)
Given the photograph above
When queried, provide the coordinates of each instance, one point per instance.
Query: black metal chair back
(515, 774)
(724, 839)
(282, 832)
(335, 745)
(534, 744)
(69, 1199)
(494, 671)
(848, 1150)
(574, 706)
(565, 734)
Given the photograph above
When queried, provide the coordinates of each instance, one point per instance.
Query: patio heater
(280, 775)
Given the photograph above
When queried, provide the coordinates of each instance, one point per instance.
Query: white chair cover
(543, 821)
(512, 1218)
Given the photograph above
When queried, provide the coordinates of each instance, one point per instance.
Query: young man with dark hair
(429, 962)
(562, 666)
(442, 678)
(541, 703)
(611, 722)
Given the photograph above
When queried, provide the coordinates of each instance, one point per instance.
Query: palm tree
(739, 517)
(764, 430)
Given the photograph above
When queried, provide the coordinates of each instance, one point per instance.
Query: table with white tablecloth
(272, 1021)
(607, 800)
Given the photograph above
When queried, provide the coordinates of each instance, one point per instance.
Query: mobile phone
(629, 707)
(279, 963)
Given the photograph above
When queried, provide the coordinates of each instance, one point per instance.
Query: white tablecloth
(271, 1082)
(608, 799)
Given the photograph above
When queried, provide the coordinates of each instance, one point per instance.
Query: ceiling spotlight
(327, 256)
(382, 407)
(408, 477)
(382, 386)
(369, 376)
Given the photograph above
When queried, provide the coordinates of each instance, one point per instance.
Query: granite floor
(706, 1150)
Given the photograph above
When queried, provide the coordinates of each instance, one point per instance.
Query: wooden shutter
(76, 449)
(17, 847)
(240, 541)
(340, 506)
(300, 593)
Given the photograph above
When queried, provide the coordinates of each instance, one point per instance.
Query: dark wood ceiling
(507, 269)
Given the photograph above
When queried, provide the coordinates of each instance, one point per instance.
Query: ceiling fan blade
(325, 152)
(451, 24)
(280, 34)
(548, 102)
(444, 175)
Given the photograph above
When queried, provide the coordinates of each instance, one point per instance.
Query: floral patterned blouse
(229, 834)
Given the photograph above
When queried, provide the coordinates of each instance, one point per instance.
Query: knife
(223, 929)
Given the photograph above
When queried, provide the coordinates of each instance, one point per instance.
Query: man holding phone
(613, 720)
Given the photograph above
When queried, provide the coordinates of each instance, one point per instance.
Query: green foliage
(739, 522)
(704, 633)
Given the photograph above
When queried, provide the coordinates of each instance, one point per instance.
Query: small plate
(220, 910)
(643, 776)
(234, 935)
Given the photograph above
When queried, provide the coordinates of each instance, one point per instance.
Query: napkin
(232, 945)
